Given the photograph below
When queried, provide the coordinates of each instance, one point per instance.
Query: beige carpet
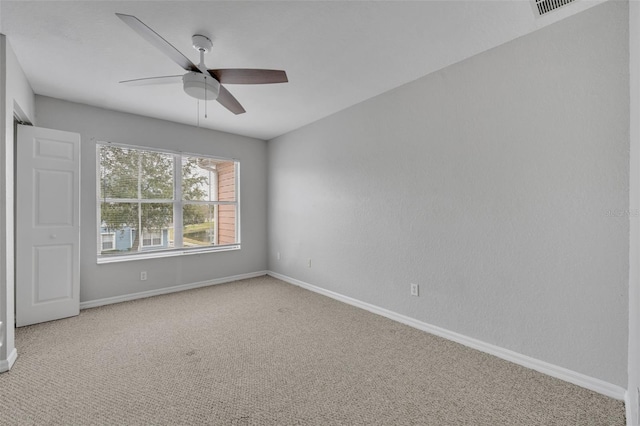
(263, 352)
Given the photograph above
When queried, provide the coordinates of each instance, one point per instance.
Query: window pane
(208, 179)
(157, 225)
(123, 169)
(118, 172)
(123, 221)
(199, 225)
(156, 175)
(209, 224)
(226, 181)
(114, 216)
(227, 224)
(118, 223)
(198, 179)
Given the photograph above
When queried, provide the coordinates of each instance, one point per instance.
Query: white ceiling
(336, 53)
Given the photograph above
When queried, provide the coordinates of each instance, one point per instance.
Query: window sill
(162, 254)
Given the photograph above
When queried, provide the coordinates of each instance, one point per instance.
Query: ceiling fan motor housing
(200, 86)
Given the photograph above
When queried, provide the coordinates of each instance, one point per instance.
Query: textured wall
(498, 184)
(115, 279)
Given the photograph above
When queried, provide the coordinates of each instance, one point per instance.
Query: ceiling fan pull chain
(198, 120)
(205, 96)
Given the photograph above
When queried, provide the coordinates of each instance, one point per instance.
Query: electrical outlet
(143, 276)
(278, 255)
(309, 262)
(414, 289)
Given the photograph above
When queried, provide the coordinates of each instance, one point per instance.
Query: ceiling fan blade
(249, 76)
(227, 100)
(156, 40)
(153, 80)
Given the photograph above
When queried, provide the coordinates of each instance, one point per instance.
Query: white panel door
(47, 225)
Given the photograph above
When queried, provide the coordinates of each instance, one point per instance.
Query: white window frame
(178, 204)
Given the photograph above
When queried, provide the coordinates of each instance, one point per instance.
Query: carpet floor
(263, 352)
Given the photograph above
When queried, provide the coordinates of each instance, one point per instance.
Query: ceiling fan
(200, 82)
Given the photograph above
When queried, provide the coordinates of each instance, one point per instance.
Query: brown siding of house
(226, 192)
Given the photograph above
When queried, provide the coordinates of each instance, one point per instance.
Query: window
(158, 203)
(108, 241)
(151, 238)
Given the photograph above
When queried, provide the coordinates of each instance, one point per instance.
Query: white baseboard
(561, 373)
(167, 290)
(6, 364)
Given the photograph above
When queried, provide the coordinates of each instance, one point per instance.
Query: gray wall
(487, 183)
(116, 279)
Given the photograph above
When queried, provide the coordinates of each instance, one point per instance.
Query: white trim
(236, 169)
(627, 405)
(167, 290)
(633, 365)
(6, 364)
(561, 373)
(156, 254)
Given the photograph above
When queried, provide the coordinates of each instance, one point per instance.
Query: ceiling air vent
(545, 6)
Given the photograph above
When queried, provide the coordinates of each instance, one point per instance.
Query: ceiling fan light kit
(197, 85)
(200, 82)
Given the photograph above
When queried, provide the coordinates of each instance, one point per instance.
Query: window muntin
(154, 201)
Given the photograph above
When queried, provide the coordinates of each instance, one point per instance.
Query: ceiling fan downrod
(202, 44)
(197, 84)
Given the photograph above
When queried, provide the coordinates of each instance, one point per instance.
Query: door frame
(19, 118)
